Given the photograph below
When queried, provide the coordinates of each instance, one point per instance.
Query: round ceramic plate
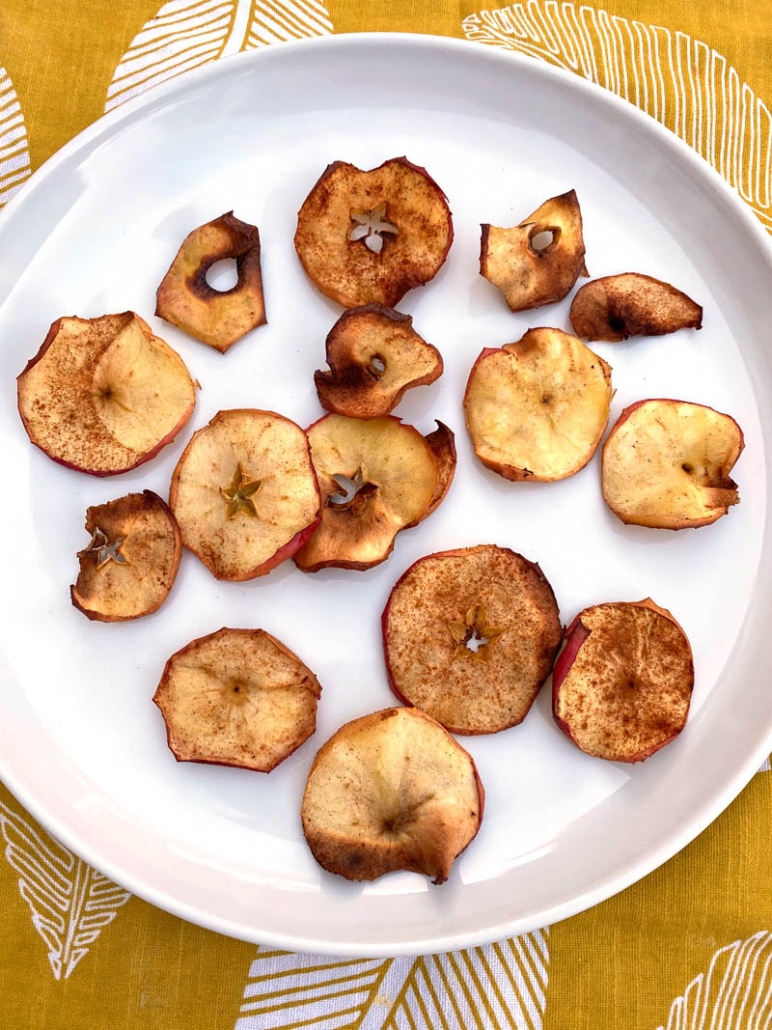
(82, 745)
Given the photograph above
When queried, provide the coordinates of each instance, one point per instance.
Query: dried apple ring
(218, 318)
(237, 697)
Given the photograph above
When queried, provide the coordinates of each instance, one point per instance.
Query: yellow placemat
(688, 947)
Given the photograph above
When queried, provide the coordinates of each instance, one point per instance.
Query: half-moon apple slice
(469, 637)
(185, 298)
(538, 261)
(368, 237)
(623, 683)
(666, 464)
(245, 494)
(237, 697)
(374, 355)
(537, 409)
(377, 476)
(103, 395)
(619, 306)
(391, 791)
(131, 561)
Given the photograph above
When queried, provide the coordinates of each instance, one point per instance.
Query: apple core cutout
(223, 275)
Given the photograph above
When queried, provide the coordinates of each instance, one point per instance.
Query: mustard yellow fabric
(689, 946)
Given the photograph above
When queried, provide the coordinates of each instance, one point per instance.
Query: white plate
(80, 742)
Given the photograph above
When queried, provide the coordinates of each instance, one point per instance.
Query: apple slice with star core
(391, 791)
(469, 637)
(130, 564)
(103, 395)
(244, 493)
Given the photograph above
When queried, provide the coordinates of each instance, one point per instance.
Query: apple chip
(185, 298)
(619, 306)
(538, 261)
(666, 464)
(376, 476)
(103, 395)
(391, 791)
(442, 444)
(244, 493)
(537, 409)
(469, 637)
(374, 355)
(368, 237)
(237, 697)
(131, 561)
(622, 685)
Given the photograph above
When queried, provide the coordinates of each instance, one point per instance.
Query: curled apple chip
(185, 298)
(469, 637)
(391, 791)
(442, 444)
(619, 306)
(376, 476)
(623, 683)
(131, 561)
(368, 237)
(666, 464)
(237, 697)
(244, 493)
(374, 355)
(537, 409)
(538, 261)
(103, 395)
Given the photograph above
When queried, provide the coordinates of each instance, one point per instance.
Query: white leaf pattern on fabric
(188, 33)
(70, 902)
(735, 993)
(14, 155)
(503, 985)
(711, 108)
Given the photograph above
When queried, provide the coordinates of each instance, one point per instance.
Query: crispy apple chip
(619, 306)
(391, 791)
(244, 493)
(666, 464)
(218, 318)
(237, 697)
(374, 355)
(538, 261)
(377, 476)
(623, 684)
(469, 637)
(103, 395)
(368, 237)
(537, 409)
(131, 561)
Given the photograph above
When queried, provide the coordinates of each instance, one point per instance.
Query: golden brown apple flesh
(367, 237)
(666, 464)
(391, 791)
(244, 493)
(619, 306)
(216, 317)
(538, 261)
(537, 409)
(469, 637)
(237, 697)
(377, 476)
(622, 685)
(131, 561)
(103, 395)
(374, 355)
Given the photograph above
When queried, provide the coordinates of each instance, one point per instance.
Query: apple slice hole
(377, 365)
(543, 239)
(223, 275)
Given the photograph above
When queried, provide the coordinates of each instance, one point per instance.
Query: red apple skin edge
(285, 551)
(385, 622)
(670, 400)
(575, 636)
